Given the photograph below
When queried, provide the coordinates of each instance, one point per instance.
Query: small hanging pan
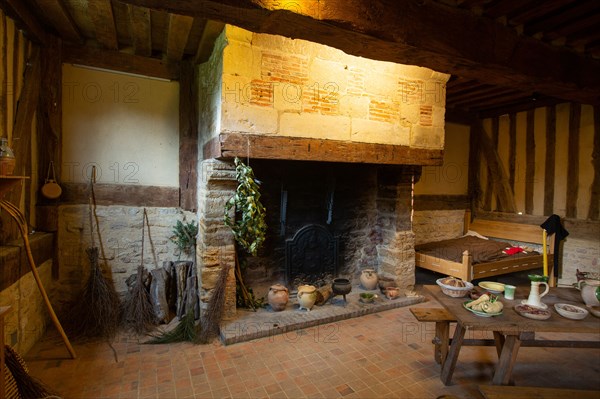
(51, 189)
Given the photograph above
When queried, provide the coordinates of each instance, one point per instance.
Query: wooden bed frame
(525, 233)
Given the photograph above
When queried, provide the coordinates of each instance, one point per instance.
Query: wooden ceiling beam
(102, 16)
(212, 29)
(415, 32)
(141, 29)
(122, 62)
(177, 36)
(559, 18)
(24, 19)
(61, 20)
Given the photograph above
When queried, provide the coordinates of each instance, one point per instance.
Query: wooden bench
(442, 319)
(511, 392)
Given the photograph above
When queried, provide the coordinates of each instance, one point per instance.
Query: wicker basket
(454, 292)
(10, 385)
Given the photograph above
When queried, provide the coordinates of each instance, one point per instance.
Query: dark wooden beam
(178, 33)
(20, 13)
(529, 161)
(122, 62)
(102, 16)
(474, 184)
(49, 114)
(573, 160)
(140, 20)
(594, 211)
(188, 137)
(55, 12)
(231, 145)
(550, 160)
(429, 34)
(121, 194)
(512, 151)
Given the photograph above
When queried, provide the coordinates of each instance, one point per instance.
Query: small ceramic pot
(369, 279)
(307, 296)
(278, 297)
(392, 292)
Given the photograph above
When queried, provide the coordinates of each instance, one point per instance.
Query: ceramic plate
(570, 311)
(479, 313)
(532, 312)
(492, 286)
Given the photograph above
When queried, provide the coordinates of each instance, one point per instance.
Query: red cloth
(513, 250)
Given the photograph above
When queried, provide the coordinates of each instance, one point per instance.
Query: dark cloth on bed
(481, 250)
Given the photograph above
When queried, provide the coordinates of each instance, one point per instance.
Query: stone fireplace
(337, 142)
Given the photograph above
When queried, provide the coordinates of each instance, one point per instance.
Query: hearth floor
(379, 355)
(265, 322)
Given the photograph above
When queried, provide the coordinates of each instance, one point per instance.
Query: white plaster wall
(452, 177)
(125, 125)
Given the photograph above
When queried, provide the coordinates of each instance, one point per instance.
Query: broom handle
(18, 217)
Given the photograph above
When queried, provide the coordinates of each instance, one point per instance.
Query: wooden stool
(442, 319)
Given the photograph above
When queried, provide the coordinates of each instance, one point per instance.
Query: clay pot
(385, 282)
(307, 296)
(278, 297)
(369, 279)
(392, 292)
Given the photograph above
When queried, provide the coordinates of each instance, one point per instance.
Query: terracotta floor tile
(395, 362)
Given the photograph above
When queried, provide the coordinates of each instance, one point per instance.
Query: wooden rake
(16, 214)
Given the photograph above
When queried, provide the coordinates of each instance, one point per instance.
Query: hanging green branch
(249, 227)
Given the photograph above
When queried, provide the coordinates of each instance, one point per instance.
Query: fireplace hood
(270, 97)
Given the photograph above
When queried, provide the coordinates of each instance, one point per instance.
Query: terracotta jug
(278, 297)
(307, 296)
(369, 279)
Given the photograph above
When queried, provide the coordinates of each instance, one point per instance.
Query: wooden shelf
(8, 181)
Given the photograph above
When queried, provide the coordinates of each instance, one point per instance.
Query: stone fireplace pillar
(215, 247)
(396, 247)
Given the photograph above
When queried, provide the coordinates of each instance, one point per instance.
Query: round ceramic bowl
(492, 286)
(571, 311)
(455, 292)
(367, 297)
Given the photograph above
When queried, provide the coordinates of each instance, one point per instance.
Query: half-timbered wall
(19, 81)
(542, 162)
(550, 156)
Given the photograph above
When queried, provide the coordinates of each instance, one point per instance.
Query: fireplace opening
(311, 256)
(328, 220)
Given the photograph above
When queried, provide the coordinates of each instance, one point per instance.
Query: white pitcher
(535, 298)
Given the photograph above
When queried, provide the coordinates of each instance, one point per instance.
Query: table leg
(508, 357)
(450, 363)
(499, 340)
(442, 333)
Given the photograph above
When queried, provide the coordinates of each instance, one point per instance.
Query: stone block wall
(28, 318)
(216, 246)
(437, 225)
(121, 234)
(273, 85)
(396, 248)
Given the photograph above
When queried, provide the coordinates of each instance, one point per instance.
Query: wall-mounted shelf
(8, 181)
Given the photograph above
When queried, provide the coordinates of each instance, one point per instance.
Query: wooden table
(511, 330)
